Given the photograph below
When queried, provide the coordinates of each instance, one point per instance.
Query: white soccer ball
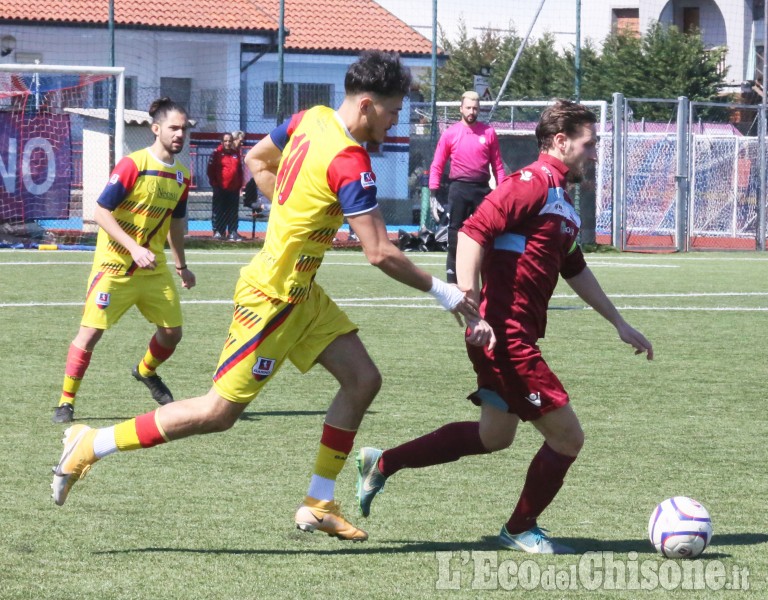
(680, 527)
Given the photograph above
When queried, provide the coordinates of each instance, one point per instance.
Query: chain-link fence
(689, 175)
(671, 174)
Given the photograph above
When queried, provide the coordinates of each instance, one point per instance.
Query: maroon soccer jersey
(528, 228)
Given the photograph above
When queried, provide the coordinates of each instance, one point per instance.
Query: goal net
(61, 130)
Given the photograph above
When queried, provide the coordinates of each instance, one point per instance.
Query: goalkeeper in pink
(473, 149)
(519, 241)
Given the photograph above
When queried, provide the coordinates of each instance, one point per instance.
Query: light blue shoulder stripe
(513, 242)
(556, 204)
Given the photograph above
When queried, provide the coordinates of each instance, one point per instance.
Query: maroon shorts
(516, 378)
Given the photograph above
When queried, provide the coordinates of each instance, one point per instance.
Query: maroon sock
(444, 445)
(544, 480)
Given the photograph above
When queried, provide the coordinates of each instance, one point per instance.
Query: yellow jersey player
(143, 204)
(317, 172)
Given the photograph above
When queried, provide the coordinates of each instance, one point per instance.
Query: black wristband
(181, 268)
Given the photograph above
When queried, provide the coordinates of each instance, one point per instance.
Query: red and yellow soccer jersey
(143, 195)
(324, 175)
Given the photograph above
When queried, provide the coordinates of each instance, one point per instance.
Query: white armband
(448, 296)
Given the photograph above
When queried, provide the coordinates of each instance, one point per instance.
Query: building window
(270, 99)
(690, 19)
(178, 89)
(626, 20)
(312, 94)
(759, 63)
(130, 92)
(296, 97)
(758, 9)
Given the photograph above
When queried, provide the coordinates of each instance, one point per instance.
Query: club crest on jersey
(367, 180)
(102, 300)
(114, 179)
(526, 175)
(263, 367)
(481, 139)
(179, 177)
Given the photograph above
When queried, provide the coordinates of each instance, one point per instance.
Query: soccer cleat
(325, 516)
(160, 392)
(75, 462)
(64, 413)
(533, 541)
(370, 481)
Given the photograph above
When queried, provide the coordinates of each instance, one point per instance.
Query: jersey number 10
(286, 176)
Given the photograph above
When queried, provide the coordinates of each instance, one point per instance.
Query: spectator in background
(225, 174)
(238, 137)
(472, 147)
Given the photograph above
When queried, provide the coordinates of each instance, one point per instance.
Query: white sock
(321, 488)
(104, 443)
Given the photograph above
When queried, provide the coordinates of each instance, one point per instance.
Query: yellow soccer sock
(142, 432)
(155, 356)
(335, 446)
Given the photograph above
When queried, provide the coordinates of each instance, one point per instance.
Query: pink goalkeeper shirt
(471, 148)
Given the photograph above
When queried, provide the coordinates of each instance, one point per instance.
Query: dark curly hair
(378, 72)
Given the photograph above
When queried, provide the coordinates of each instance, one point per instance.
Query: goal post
(62, 127)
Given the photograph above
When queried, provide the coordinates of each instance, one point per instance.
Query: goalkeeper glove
(436, 208)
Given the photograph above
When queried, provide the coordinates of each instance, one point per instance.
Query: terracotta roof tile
(331, 25)
(346, 25)
(204, 14)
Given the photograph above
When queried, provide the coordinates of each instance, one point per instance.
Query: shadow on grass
(246, 416)
(257, 415)
(581, 545)
(391, 547)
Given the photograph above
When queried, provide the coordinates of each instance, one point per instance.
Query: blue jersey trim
(112, 196)
(356, 199)
(279, 135)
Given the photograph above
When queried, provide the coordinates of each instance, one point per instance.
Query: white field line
(599, 265)
(628, 256)
(428, 303)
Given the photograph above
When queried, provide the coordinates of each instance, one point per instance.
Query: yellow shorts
(109, 297)
(265, 331)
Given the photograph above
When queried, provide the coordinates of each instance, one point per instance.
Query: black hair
(160, 108)
(565, 117)
(378, 72)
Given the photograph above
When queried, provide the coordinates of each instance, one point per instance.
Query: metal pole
(514, 62)
(584, 233)
(681, 175)
(761, 209)
(617, 233)
(433, 82)
(111, 27)
(280, 62)
(577, 55)
(111, 126)
(119, 122)
(763, 193)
